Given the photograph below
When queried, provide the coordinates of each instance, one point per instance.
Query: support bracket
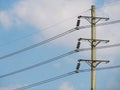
(94, 41)
(93, 63)
(88, 18)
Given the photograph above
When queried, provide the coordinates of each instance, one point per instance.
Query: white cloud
(44, 12)
(5, 19)
(41, 13)
(66, 86)
(112, 10)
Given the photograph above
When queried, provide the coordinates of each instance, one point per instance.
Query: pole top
(92, 6)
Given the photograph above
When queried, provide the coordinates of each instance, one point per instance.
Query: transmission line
(55, 59)
(37, 65)
(38, 44)
(53, 38)
(62, 76)
(46, 28)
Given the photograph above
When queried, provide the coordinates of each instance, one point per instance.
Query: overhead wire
(53, 38)
(44, 28)
(64, 75)
(50, 26)
(38, 64)
(55, 59)
(66, 54)
(37, 44)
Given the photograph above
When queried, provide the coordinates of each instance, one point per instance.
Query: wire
(101, 47)
(37, 65)
(45, 28)
(54, 59)
(45, 81)
(38, 44)
(64, 75)
(53, 38)
(34, 33)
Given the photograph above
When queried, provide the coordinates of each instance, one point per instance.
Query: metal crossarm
(88, 18)
(97, 62)
(96, 41)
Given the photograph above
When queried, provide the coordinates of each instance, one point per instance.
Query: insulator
(78, 66)
(78, 23)
(78, 45)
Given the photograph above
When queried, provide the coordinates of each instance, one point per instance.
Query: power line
(53, 38)
(50, 26)
(38, 44)
(37, 65)
(54, 59)
(45, 28)
(62, 76)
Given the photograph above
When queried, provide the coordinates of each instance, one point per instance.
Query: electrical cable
(38, 44)
(38, 64)
(53, 38)
(45, 28)
(64, 75)
(54, 59)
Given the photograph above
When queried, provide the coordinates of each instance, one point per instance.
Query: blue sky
(25, 22)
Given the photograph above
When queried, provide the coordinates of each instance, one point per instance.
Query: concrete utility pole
(94, 42)
(93, 48)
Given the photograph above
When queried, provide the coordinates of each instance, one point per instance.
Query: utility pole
(93, 49)
(93, 42)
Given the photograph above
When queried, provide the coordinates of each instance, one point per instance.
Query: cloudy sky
(26, 22)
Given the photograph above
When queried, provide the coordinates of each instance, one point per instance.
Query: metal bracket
(93, 63)
(93, 42)
(88, 18)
